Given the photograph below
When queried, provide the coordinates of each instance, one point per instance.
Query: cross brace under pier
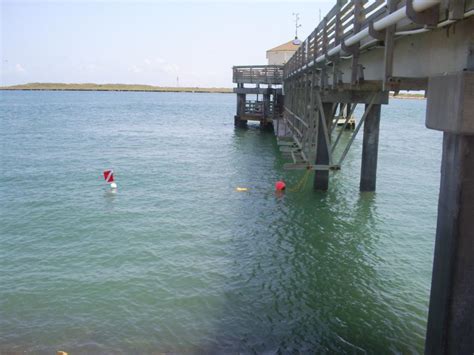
(309, 115)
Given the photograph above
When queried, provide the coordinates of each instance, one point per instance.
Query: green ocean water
(176, 260)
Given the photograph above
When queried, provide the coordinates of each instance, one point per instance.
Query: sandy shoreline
(111, 87)
(145, 88)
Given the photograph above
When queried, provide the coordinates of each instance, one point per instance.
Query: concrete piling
(450, 109)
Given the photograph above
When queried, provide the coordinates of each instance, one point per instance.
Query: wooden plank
(373, 6)
(375, 16)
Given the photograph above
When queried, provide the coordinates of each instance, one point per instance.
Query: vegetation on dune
(111, 87)
(138, 87)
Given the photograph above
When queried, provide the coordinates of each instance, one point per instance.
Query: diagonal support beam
(362, 119)
(349, 115)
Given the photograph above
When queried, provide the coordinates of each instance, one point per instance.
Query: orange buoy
(280, 185)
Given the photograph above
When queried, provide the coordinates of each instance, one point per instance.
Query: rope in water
(297, 188)
(302, 183)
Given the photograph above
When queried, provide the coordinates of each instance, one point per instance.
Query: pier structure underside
(330, 70)
(357, 54)
(310, 118)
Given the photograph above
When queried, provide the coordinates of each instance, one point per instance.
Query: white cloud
(19, 68)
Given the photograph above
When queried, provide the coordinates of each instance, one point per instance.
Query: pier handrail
(350, 24)
(258, 74)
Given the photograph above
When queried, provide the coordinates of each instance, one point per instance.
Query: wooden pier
(266, 83)
(359, 52)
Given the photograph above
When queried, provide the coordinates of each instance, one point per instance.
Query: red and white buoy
(109, 178)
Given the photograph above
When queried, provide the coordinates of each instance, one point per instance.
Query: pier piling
(452, 300)
(321, 177)
(370, 146)
(450, 109)
(241, 97)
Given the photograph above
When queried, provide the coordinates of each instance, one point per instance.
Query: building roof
(288, 46)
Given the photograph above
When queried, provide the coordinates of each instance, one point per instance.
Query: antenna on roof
(297, 25)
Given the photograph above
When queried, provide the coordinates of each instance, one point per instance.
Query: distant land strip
(111, 87)
(137, 87)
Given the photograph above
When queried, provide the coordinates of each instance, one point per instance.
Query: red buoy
(280, 185)
(109, 176)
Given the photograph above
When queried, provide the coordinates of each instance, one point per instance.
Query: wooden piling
(370, 146)
(321, 177)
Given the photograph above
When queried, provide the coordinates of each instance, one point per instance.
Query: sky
(144, 42)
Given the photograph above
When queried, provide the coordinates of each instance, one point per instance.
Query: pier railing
(344, 19)
(258, 74)
(258, 107)
(352, 25)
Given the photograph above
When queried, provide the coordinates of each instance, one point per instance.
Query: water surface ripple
(176, 260)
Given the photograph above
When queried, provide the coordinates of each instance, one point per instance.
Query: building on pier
(282, 53)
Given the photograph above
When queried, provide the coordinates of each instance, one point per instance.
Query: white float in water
(113, 186)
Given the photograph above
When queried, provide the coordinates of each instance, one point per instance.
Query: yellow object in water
(241, 189)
